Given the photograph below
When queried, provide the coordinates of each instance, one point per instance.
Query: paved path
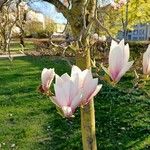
(13, 55)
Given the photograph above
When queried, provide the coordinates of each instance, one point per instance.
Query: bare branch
(99, 24)
(2, 2)
(60, 6)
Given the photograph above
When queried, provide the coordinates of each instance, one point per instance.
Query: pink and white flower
(47, 77)
(67, 94)
(118, 60)
(146, 61)
(87, 84)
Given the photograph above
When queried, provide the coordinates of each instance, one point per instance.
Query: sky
(50, 11)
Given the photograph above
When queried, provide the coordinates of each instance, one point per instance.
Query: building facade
(141, 32)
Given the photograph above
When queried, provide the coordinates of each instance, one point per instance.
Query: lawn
(29, 121)
(15, 46)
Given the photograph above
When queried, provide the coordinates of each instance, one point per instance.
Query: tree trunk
(125, 25)
(21, 36)
(82, 18)
(88, 111)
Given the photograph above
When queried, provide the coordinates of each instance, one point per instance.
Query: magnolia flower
(47, 76)
(146, 61)
(87, 84)
(67, 95)
(118, 60)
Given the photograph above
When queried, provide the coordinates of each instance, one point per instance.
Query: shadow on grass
(122, 118)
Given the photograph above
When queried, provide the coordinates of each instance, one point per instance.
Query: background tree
(9, 16)
(36, 28)
(21, 21)
(8, 21)
(124, 19)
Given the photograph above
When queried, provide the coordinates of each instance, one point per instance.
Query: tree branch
(2, 2)
(60, 6)
(99, 24)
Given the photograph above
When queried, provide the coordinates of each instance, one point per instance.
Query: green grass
(30, 121)
(15, 46)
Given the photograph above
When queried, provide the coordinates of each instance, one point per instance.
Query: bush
(36, 30)
(138, 46)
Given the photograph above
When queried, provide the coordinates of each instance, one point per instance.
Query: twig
(106, 30)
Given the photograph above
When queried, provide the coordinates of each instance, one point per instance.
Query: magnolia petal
(66, 91)
(113, 44)
(75, 70)
(47, 76)
(89, 88)
(148, 68)
(65, 77)
(126, 53)
(121, 44)
(74, 87)
(146, 61)
(122, 47)
(116, 60)
(98, 88)
(58, 80)
(77, 100)
(88, 78)
(148, 49)
(124, 70)
(60, 96)
(82, 75)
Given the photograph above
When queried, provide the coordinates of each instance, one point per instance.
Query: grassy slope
(30, 121)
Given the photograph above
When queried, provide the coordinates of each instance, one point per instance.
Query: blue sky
(48, 10)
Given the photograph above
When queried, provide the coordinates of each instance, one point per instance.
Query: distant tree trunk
(21, 36)
(125, 23)
(7, 39)
(8, 23)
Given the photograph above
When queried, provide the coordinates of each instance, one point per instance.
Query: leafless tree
(9, 18)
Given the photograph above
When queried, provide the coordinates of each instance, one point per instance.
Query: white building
(141, 32)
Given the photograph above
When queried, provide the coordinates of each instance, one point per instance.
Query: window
(135, 32)
(141, 32)
(129, 37)
(135, 38)
(141, 38)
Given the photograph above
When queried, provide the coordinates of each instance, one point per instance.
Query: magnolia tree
(133, 13)
(78, 89)
(11, 15)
